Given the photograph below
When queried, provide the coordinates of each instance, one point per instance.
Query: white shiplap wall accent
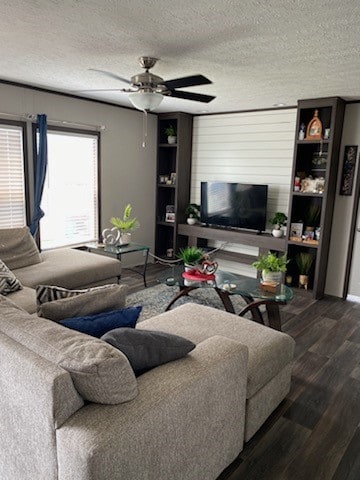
(249, 147)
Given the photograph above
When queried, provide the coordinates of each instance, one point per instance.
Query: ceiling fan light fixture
(145, 101)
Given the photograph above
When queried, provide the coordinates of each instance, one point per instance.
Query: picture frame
(296, 231)
(348, 170)
(170, 217)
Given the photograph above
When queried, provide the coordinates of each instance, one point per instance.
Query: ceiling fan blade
(197, 97)
(112, 75)
(100, 90)
(191, 81)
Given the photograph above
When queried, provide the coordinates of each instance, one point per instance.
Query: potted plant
(170, 132)
(271, 266)
(304, 262)
(125, 225)
(191, 256)
(278, 220)
(192, 211)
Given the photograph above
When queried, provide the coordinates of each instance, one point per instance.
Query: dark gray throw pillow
(146, 349)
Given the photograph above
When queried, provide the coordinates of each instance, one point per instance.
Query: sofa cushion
(147, 349)
(24, 298)
(70, 268)
(8, 282)
(77, 303)
(100, 373)
(97, 325)
(269, 350)
(18, 248)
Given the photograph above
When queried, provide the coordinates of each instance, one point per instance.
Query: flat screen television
(234, 205)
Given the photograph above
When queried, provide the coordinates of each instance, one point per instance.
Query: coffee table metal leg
(183, 291)
(225, 298)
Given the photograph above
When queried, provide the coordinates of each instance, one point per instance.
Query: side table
(116, 251)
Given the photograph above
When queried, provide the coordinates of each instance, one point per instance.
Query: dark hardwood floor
(315, 432)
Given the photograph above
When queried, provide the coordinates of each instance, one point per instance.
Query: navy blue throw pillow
(97, 325)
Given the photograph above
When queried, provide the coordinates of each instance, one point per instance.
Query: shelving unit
(317, 160)
(173, 160)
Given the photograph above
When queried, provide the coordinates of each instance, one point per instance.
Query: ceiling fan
(146, 90)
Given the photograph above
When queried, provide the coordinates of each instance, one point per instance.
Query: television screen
(234, 205)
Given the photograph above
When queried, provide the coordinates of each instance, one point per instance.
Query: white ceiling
(257, 53)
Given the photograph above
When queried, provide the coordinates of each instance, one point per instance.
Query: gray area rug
(154, 300)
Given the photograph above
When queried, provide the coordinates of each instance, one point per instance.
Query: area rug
(154, 300)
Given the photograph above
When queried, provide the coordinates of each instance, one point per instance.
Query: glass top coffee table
(226, 285)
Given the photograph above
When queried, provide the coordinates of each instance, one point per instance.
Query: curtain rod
(32, 117)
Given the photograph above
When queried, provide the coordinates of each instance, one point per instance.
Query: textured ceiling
(257, 53)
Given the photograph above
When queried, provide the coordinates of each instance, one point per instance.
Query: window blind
(12, 184)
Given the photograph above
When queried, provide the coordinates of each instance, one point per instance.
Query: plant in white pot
(271, 266)
(170, 132)
(278, 220)
(125, 225)
(304, 262)
(192, 257)
(192, 212)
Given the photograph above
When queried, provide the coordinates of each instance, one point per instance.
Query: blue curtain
(40, 173)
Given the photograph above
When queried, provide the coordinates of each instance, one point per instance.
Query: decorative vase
(277, 233)
(191, 221)
(125, 239)
(171, 139)
(271, 276)
(303, 281)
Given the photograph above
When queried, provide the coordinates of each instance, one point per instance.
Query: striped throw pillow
(50, 293)
(8, 282)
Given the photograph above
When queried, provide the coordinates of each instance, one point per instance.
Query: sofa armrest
(187, 422)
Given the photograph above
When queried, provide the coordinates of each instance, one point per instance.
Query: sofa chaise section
(270, 353)
(70, 268)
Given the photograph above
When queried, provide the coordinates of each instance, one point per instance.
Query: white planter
(271, 276)
(171, 139)
(125, 239)
(277, 233)
(191, 221)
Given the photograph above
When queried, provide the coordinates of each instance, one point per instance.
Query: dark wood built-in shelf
(331, 113)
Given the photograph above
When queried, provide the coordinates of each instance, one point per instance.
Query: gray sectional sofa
(64, 267)
(72, 408)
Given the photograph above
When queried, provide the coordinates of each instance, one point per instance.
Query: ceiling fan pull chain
(145, 127)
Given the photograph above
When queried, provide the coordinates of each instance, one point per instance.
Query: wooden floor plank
(321, 456)
(349, 466)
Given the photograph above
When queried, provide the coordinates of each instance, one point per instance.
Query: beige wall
(344, 206)
(127, 169)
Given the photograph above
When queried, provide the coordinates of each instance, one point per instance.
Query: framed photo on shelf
(170, 217)
(296, 230)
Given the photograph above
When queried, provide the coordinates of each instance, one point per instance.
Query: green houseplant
(191, 255)
(125, 225)
(278, 220)
(192, 211)
(170, 132)
(271, 266)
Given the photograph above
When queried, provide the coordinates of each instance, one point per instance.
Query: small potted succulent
(271, 266)
(125, 225)
(170, 132)
(278, 220)
(192, 211)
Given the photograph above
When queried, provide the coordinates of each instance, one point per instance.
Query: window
(12, 181)
(70, 196)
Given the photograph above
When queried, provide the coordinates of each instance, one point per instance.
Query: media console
(198, 235)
